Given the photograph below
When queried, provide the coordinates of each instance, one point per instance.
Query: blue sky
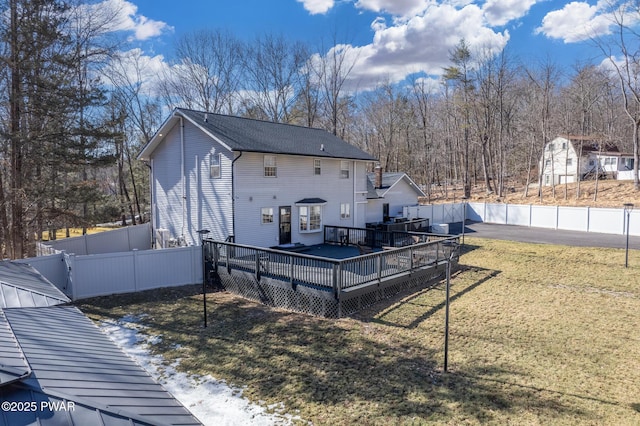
(388, 39)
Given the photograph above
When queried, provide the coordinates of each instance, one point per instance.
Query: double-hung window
(345, 211)
(214, 166)
(344, 169)
(270, 166)
(267, 215)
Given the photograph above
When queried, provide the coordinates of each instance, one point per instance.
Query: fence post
(135, 270)
(70, 261)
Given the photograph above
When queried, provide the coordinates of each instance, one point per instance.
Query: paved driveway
(546, 236)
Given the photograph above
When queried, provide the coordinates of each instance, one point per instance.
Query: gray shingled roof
(22, 286)
(244, 134)
(70, 360)
(388, 180)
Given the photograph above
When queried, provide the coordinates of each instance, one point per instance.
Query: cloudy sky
(389, 39)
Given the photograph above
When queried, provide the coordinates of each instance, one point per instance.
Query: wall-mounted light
(250, 198)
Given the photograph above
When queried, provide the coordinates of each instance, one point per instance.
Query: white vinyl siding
(295, 182)
(207, 202)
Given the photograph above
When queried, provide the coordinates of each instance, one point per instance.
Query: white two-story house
(262, 183)
(569, 158)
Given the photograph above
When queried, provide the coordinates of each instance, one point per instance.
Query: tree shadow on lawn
(334, 371)
(394, 310)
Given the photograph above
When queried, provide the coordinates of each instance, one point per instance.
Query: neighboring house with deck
(569, 158)
(266, 184)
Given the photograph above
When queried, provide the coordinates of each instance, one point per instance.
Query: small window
(547, 162)
(592, 162)
(270, 166)
(546, 179)
(344, 169)
(345, 211)
(214, 166)
(267, 215)
(551, 147)
(310, 218)
(317, 167)
(569, 161)
(564, 145)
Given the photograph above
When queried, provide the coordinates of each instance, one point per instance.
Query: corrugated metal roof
(22, 286)
(244, 134)
(72, 361)
(13, 366)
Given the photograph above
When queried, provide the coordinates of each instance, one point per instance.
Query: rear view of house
(258, 182)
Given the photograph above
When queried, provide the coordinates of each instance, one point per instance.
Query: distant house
(388, 194)
(569, 158)
(262, 183)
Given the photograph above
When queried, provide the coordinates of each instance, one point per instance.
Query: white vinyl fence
(118, 240)
(586, 219)
(83, 276)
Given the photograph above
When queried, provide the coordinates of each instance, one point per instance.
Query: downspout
(233, 197)
(355, 201)
(184, 192)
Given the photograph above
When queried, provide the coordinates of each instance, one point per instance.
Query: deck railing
(334, 275)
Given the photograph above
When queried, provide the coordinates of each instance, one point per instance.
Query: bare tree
(206, 74)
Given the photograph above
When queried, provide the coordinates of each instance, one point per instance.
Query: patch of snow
(212, 401)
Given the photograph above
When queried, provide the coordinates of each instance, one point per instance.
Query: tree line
(77, 104)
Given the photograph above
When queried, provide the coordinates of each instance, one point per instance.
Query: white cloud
(315, 7)
(394, 7)
(420, 44)
(500, 12)
(134, 67)
(576, 21)
(123, 16)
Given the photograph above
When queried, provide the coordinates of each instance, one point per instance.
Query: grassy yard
(539, 335)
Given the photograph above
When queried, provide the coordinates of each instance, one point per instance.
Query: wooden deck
(338, 278)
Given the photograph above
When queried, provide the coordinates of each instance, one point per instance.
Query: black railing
(402, 253)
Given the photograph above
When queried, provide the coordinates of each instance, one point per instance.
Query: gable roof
(389, 180)
(590, 144)
(249, 135)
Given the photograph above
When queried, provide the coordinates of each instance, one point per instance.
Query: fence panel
(53, 268)
(114, 241)
(573, 218)
(101, 275)
(544, 216)
(518, 215)
(608, 221)
(496, 213)
(475, 212)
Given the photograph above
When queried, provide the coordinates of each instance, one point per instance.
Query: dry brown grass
(539, 335)
(74, 232)
(611, 193)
